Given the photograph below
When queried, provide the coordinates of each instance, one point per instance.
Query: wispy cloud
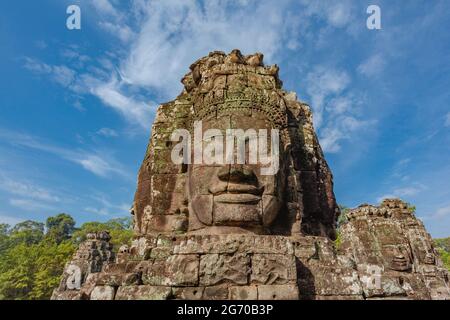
(334, 107)
(374, 65)
(337, 14)
(62, 75)
(404, 192)
(26, 189)
(162, 50)
(157, 45)
(107, 132)
(10, 220)
(323, 83)
(106, 207)
(124, 33)
(134, 111)
(97, 165)
(441, 213)
(105, 7)
(108, 90)
(91, 161)
(31, 204)
(447, 120)
(27, 194)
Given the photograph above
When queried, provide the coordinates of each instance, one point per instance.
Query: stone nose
(237, 173)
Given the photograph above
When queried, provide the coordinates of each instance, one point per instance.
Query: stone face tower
(226, 231)
(236, 92)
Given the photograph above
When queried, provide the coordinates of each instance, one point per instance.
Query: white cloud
(113, 20)
(321, 83)
(442, 212)
(404, 192)
(79, 106)
(334, 107)
(447, 120)
(160, 38)
(134, 111)
(109, 92)
(337, 14)
(108, 211)
(96, 164)
(329, 140)
(124, 33)
(30, 204)
(10, 220)
(106, 207)
(100, 212)
(341, 128)
(26, 189)
(107, 132)
(163, 48)
(28, 195)
(340, 105)
(92, 161)
(105, 7)
(404, 162)
(372, 66)
(62, 75)
(407, 191)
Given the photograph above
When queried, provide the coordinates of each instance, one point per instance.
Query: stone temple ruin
(198, 236)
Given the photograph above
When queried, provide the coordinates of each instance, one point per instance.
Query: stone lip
(237, 198)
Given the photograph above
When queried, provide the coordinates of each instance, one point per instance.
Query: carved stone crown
(214, 106)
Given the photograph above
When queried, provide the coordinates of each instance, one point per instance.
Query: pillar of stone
(391, 248)
(81, 273)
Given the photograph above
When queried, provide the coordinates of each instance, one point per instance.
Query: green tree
(31, 262)
(342, 219)
(31, 272)
(443, 243)
(28, 232)
(443, 247)
(120, 230)
(49, 267)
(17, 267)
(60, 227)
(4, 237)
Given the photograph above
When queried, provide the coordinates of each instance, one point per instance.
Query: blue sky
(77, 106)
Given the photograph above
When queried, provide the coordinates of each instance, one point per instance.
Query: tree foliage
(119, 229)
(33, 254)
(443, 247)
(60, 227)
(342, 219)
(28, 232)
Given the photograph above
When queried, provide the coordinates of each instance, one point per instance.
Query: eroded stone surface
(273, 269)
(144, 292)
(224, 268)
(393, 253)
(103, 293)
(90, 258)
(176, 270)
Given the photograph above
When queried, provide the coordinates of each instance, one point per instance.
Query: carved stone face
(234, 198)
